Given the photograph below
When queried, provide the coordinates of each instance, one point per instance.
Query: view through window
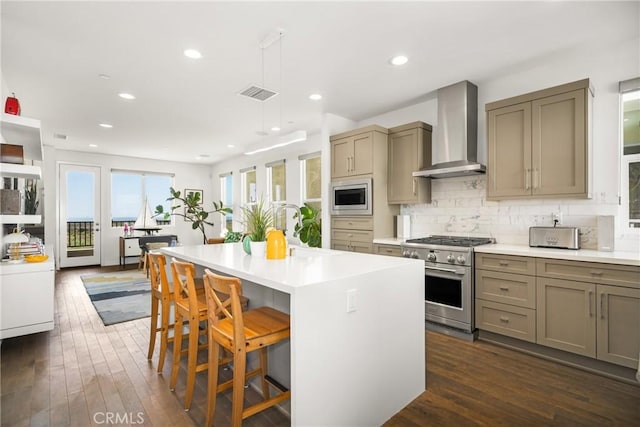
(128, 192)
(277, 184)
(310, 172)
(226, 195)
(630, 91)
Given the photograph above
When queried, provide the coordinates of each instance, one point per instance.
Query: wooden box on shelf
(11, 153)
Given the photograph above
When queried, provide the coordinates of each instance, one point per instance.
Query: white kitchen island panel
(26, 298)
(355, 367)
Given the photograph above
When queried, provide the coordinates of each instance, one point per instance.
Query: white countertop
(306, 267)
(616, 257)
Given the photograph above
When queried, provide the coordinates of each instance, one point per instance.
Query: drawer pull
(590, 308)
(596, 272)
(503, 263)
(350, 235)
(504, 319)
(388, 251)
(504, 288)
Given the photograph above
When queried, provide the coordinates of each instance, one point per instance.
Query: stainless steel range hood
(456, 144)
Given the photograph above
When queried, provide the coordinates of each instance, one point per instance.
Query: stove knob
(451, 259)
(414, 254)
(461, 259)
(405, 254)
(431, 257)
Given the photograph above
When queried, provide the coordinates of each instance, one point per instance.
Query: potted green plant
(258, 218)
(310, 232)
(190, 208)
(31, 197)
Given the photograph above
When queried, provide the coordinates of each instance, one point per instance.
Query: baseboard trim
(599, 367)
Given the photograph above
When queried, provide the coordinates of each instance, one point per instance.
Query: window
(310, 174)
(630, 91)
(248, 177)
(226, 195)
(277, 184)
(128, 192)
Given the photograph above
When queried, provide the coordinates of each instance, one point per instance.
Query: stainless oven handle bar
(459, 273)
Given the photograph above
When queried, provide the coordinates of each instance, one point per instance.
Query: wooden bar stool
(240, 333)
(190, 306)
(161, 295)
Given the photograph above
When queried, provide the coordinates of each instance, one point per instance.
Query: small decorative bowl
(36, 258)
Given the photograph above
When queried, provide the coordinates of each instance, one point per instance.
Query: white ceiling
(53, 53)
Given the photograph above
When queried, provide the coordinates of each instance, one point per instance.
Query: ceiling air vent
(258, 93)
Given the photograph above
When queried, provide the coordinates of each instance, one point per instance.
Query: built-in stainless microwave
(352, 197)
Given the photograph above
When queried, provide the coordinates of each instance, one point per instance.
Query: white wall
(459, 205)
(186, 176)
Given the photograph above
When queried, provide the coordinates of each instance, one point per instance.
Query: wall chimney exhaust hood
(456, 140)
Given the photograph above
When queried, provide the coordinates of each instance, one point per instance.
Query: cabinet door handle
(348, 164)
(590, 307)
(414, 186)
(503, 263)
(504, 288)
(596, 272)
(527, 179)
(602, 305)
(353, 164)
(504, 319)
(536, 177)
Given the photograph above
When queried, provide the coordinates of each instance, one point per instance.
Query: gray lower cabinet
(590, 309)
(506, 295)
(390, 250)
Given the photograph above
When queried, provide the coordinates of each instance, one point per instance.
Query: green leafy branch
(190, 208)
(311, 230)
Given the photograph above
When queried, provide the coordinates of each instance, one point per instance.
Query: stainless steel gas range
(448, 279)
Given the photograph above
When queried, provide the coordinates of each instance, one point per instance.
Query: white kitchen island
(357, 347)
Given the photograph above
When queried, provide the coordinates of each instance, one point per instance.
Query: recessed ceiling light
(275, 129)
(105, 125)
(126, 96)
(230, 146)
(399, 60)
(192, 53)
(93, 145)
(315, 97)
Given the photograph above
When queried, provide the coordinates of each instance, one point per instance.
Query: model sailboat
(145, 221)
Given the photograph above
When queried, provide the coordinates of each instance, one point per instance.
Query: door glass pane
(80, 213)
(631, 122)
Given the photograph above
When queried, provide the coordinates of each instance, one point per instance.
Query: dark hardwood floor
(81, 371)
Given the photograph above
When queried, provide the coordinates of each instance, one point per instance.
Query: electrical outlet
(556, 217)
(351, 300)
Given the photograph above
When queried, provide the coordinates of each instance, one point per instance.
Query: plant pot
(258, 249)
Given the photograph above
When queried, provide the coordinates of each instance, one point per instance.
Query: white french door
(79, 238)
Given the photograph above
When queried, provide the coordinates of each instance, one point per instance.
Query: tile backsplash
(459, 207)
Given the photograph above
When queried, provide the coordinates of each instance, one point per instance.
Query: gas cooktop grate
(452, 241)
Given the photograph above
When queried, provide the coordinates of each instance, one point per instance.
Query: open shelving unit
(26, 289)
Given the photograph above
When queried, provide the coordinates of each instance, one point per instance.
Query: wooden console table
(130, 246)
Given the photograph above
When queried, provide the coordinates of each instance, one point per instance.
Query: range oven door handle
(446, 270)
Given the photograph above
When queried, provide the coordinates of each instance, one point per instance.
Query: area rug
(119, 296)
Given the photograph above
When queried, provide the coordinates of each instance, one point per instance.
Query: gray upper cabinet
(538, 144)
(409, 151)
(354, 153)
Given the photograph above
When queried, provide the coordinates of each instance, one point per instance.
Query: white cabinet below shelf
(20, 219)
(27, 298)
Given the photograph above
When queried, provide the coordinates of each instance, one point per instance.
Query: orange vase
(276, 245)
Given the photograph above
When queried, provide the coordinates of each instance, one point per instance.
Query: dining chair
(240, 333)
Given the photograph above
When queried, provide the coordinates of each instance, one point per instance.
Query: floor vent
(258, 93)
